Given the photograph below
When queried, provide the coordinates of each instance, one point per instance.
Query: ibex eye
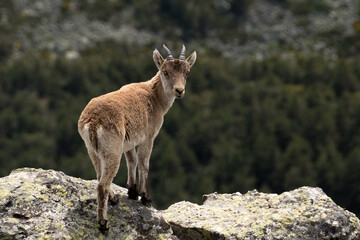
(166, 73)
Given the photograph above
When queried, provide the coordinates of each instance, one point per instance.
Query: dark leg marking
(133, 193)
(104, 226)
(145, 200)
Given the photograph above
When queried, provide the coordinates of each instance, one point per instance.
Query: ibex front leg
(144, 152)
(132, 161)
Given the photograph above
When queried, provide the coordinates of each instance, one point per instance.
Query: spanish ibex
(131, 117)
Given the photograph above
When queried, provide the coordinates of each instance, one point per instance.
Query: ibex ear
(158, 59)
(191, 59)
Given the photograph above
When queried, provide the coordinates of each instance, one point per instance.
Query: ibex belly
(128, 145)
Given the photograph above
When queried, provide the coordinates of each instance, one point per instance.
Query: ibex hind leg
(97, 165)
(110, 165)
(96, 162)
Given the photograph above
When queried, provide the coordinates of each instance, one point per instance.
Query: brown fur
(117, 122)
(125, 111)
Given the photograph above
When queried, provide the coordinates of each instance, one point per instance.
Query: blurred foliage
(273, 124)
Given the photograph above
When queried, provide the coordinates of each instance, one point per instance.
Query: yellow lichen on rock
(305, 213)
(46, 204)
(4, 193)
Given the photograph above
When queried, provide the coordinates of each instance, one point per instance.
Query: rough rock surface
(45, 204)
(305, 213)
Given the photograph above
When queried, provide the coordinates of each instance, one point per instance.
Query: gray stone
(45, 204)
(305, 213)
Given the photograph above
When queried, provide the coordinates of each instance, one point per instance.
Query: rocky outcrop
(39, 204)
(46, 204)
(269, 27)
(64, 27)
(305, 213)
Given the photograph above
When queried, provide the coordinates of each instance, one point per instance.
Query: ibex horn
(169, 56)
(182, 54)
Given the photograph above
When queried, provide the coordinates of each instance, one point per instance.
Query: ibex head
(173, 72)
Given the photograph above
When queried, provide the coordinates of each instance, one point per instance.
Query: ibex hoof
(133, 193)
(114, 199)
(146, 202)
(104, 225)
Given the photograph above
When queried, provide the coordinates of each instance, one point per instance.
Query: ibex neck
(165, 100)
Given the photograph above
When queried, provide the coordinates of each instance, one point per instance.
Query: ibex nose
(179, 90)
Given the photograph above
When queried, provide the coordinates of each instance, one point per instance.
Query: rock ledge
(46, 204)
(305, 213)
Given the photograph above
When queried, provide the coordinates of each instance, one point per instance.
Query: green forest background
(273, 124)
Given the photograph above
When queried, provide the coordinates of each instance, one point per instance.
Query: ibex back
(117, 122)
